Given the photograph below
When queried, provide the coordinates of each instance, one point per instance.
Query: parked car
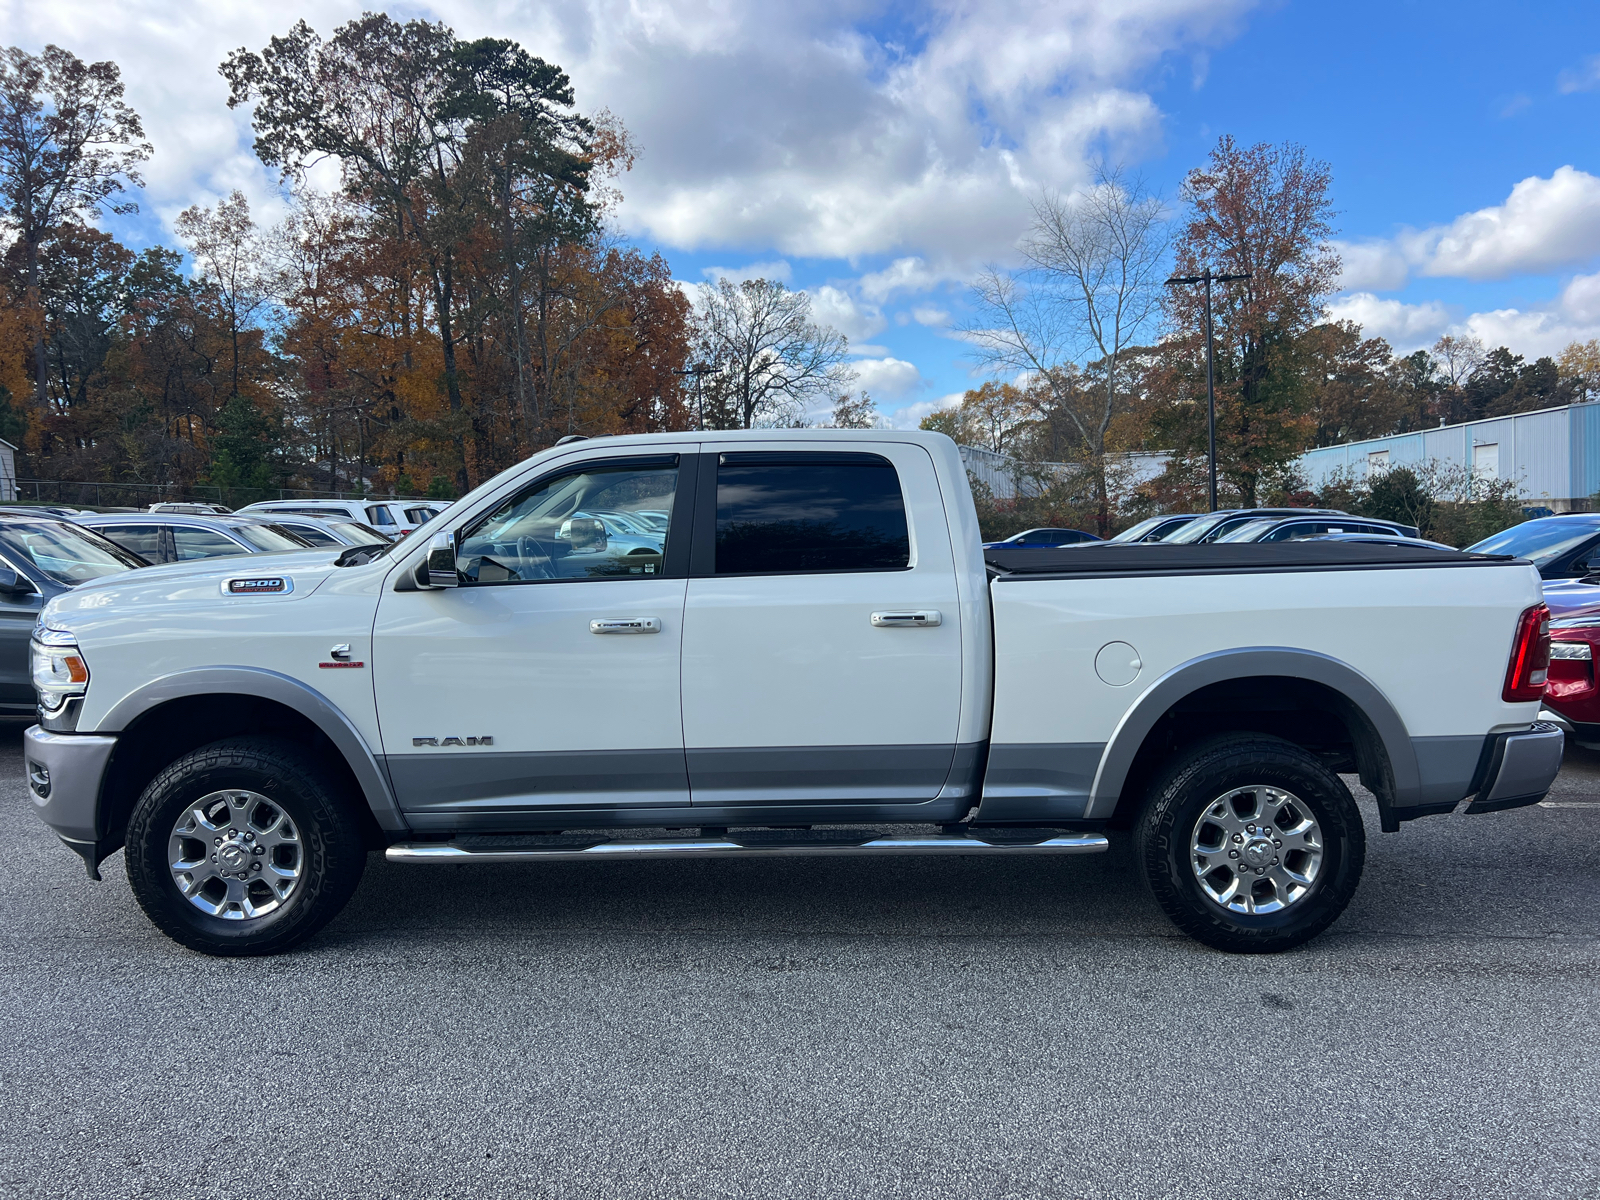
(1572, 695)
(178, 537)
(1043, 539)
(1562, 547)
(821, 643)
(40, 510)
(1211, 526)
(1285, 529)
(394, 517)
(190, 508)
(41, 557)
(330, 531)
(1376, 539)
(1153, 529)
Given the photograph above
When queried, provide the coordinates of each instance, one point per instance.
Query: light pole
(699, 370)
(1211, 390)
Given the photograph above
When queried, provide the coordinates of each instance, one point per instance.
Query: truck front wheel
(243, 847)
(1250, 844)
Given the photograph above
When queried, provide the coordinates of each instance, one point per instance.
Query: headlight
(59, 671)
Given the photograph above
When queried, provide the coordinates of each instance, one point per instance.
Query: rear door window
(203, 543)
(143, 540)
(317, 537)
(786, 513)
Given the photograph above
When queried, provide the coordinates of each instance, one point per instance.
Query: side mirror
(440, 566)
(12, 584)
(588, 534)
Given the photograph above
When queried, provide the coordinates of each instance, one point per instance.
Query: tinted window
(419, 516)
(268, 537)
(317, 537)
(550, 531)
(788, 513)
(202, 543)
(1298, 529)
(66, 554)
(143, 540)
(379, 514)
(361, 535)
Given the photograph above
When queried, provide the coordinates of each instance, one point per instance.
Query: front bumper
(1520, 769)
(64, 772)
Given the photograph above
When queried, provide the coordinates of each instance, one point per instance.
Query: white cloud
(1372, 266)
(836, 307)
(908, 274)
(930, 315)
(1573, 316)
(1406, 327)
(773, 128)
(776, 271)
(912, 415)
(1583, 78)
(1544, 225)
(888, 378)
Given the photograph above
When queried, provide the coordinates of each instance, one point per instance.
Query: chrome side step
(500, 849)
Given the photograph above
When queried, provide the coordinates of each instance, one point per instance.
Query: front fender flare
(284, 690)
(1191, 676)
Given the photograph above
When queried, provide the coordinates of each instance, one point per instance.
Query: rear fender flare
(1152, 705)
(287, 691)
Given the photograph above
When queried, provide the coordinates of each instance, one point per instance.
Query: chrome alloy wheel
(235, 855)
(1256, 849)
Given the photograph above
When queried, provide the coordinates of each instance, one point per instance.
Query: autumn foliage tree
(1263, 211)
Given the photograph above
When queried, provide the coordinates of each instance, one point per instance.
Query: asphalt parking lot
(817, 1028)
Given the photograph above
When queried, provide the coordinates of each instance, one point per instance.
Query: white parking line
(1569, 804)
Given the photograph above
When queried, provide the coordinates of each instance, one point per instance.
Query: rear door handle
(625, 625)
(920, 619)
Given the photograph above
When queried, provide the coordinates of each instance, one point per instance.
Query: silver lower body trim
(448, 852)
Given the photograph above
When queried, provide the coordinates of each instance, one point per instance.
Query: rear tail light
(1530, 658)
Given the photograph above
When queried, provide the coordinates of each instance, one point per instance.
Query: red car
(1571, 694)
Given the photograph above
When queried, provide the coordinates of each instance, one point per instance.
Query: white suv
(393, 517)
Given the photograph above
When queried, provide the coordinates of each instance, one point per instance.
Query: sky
(879, 154)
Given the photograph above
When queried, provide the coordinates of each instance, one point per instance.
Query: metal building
(1553, 454)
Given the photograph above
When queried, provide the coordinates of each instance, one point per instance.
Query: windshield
(268, 537)
(359, 534)
(1200, 526)
(1249, 531)
(1137, 533)
(1541, 542)
(67, 554)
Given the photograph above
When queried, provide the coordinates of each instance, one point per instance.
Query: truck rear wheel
(1251, 845)
(243, 847)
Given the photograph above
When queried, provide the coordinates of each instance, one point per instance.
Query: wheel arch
(177, 713)
(1384, 756)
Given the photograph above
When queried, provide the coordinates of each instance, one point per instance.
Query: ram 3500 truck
(773, 643)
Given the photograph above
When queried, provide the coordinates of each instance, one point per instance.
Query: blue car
(1042, 539)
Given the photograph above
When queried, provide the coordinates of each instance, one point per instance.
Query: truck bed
(1154, 558)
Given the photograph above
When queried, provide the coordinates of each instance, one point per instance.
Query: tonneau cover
(1156, 558)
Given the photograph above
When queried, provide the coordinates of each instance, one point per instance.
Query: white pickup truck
(774, 643)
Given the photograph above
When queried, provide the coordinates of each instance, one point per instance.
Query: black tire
(327, 849)
(1218, 776)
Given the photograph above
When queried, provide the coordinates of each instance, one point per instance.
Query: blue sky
(878, 154)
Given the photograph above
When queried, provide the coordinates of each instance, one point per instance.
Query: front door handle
(920, 619)
(625, 625)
